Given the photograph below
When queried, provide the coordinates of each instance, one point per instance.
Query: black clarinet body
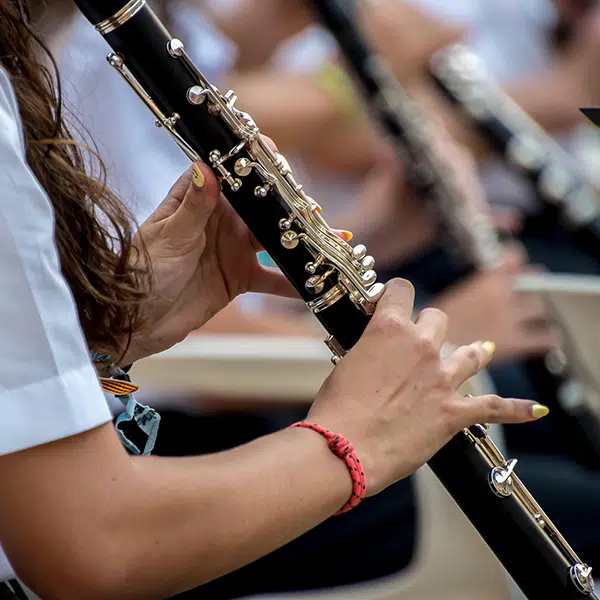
(566, 193)
(143, 46)
(336, 280)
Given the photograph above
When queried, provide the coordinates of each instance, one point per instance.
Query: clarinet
(566, 192)
(470, 237)
(336, 281)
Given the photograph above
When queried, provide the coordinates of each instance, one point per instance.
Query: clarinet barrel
(335, 280)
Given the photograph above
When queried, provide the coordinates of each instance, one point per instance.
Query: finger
(466, 361)
(197, 203)
(398, 297)
(433, 323)
(344, 234)
(494, 409)
(530, 306)
(270, 280)
(269, 142)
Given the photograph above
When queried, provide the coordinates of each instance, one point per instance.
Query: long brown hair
(94, 230)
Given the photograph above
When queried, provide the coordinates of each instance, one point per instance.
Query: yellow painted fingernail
(198, 176)
(347, 235)
(539, 410)
(489, 347)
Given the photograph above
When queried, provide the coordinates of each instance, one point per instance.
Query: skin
(401, 31)
(407, 38)
(304, 117)
(80, 518)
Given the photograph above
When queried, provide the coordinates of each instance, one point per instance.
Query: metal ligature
(336, 280)
(567, 192)
(473, 239)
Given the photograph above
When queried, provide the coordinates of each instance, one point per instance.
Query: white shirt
(48, 386)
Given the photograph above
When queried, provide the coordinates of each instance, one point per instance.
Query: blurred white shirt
(142, 161)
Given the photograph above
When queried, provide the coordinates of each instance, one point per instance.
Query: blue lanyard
(146, 418)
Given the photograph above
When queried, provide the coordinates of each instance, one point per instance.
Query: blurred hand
(485, 307)
(202, 256)
(396, 399)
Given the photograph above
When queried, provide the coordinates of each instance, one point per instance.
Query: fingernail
(347, 235)
(197, 176)
(539, 410)
(489, 347)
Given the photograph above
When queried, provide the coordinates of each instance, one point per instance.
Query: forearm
(288, 108)
(306, 119)
(142, 528)
(214, 514)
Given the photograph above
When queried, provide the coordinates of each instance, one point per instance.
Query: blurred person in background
(544, 53)
(317, 119)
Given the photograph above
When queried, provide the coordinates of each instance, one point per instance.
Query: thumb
(190, 202)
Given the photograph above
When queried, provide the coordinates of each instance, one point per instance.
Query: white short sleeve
(48, 386)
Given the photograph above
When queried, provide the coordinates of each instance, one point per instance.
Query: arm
(552, 96)
(89, 521)
(324, 123)
(79, 518)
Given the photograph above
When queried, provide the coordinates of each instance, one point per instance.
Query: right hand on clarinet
(396, 399)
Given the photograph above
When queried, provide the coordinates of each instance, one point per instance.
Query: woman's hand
(396, 400)
(202, 257)
(486, 307)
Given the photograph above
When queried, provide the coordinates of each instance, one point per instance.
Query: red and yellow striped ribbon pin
(118, 387)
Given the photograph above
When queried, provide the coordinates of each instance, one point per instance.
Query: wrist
(333, 472)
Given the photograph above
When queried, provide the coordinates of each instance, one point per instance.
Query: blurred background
(499, 84)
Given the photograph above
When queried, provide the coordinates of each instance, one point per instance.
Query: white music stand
(574, 302)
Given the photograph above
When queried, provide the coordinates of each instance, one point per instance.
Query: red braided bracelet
(343, 449)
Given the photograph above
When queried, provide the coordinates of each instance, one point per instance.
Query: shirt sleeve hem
(52, 409)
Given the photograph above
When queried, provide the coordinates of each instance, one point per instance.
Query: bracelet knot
(343, 449)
